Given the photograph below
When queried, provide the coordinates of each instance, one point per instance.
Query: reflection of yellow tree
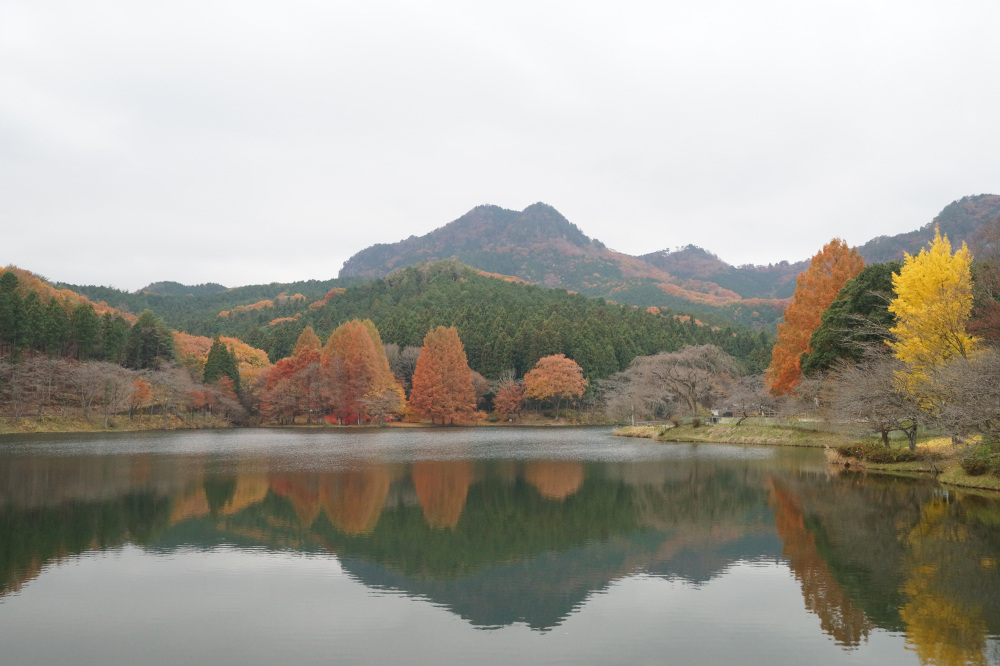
(353, 500)
(941, 628)
(555, 479)
(823, 595)
(442, 486)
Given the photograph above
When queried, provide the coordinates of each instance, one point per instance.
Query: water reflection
(504, 541)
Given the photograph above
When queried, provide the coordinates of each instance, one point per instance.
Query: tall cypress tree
(221, 363)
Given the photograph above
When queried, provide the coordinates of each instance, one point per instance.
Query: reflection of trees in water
(353, 500)
(824, 596)
(942, 628)
(442, 486)
(877, 544)
(555, 479)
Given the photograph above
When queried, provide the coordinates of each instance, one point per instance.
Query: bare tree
(118, 384)
(403, 363)
(626, 400)
(868, 397)
(963, 397)
(695, 375)
(748, 396)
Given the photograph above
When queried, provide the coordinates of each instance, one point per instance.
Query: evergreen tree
(11, 309)
(857, 318)
(113, 336)
(222, 363)
(55, 328)
(149, 344)
(85, 331)
(32, 333)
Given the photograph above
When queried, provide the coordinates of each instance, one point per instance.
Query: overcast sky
(248, 142)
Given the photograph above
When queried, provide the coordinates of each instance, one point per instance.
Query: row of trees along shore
(50, 338)
(879, 349)
(349, 379)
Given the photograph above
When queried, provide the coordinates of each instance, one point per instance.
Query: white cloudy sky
(257, 141)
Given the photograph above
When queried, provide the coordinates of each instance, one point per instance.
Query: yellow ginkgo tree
(933, 302)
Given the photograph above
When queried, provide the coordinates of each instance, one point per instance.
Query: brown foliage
(442, 381)
(442, 486)
(555, 377)
(555, 479)
(817, 286)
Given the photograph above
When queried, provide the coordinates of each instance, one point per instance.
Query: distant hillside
(504, 325)
(178, 289)
(771, 281)
(961, 220)
(541, 246)
(196, 310)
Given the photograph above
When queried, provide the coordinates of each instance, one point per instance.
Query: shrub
(975, 465)
(492, 417)
(983, 458)
(879, 454)
(675, 421)
(695, 422)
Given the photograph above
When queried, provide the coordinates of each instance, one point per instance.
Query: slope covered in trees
(539, 245)
(503, 325)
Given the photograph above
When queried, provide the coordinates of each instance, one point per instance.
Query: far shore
(78, 424)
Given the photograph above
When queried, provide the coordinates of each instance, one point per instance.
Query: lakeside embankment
(74, 424)
(68, 424)
(940, 458)
(730, 433)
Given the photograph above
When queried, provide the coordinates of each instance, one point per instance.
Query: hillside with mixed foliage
(541, 246)
(961, 221)
(504, 325)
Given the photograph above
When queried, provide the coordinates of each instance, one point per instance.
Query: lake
(485, 545)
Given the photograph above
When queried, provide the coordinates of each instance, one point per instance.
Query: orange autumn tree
(555, 378)
(815, 290)
(509, 397)
(292, 386)
(442, 382)
(358, 382)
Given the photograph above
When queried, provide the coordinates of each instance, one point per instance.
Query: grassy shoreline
(78, 424)
(753, 434)
(947, 470)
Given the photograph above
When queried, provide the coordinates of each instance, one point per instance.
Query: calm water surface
(549, 545)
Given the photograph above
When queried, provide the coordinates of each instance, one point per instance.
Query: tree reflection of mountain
(507, 542)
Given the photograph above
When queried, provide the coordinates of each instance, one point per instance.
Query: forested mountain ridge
(521, 324)
(774, 281)
(960, 220)
(541, 246)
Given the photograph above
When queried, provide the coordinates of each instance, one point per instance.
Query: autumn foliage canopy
(442, 381)
(815, 290)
